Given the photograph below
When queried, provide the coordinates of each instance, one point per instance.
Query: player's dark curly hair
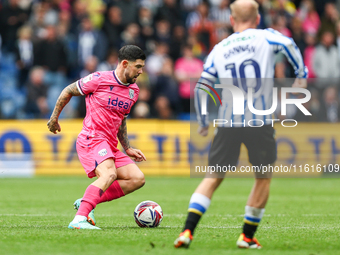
(131, 53)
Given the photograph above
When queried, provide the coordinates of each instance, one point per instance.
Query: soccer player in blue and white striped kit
(247, 53)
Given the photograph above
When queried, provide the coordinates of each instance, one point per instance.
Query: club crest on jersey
(131, 93)
(102, 152)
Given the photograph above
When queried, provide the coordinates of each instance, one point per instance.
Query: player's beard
(130, 80)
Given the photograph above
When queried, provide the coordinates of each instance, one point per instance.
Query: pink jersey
(108, 101)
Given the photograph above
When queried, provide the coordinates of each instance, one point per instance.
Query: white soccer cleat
(184, 239)
(247, 243)
(82, 225)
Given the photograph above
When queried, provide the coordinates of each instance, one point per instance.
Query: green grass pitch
(302, 217)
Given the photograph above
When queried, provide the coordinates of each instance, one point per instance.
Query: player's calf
(134, 182)
(198, 205)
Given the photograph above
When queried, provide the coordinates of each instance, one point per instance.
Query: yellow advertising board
(165, 144)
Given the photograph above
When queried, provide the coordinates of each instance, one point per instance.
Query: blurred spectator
(169, 11)
(113, 27)
(162, 108)
(298, 36)
(201, 25)
(36, 104)
(309, 54)
(144, 88)
(90, 42)
(37, 22)
(11, 18)
(177, 41)
(280, 24)
(50, 15)
(188, 6)
(24, 54)
(330, 111)
(155, 61)
(338, 36)
(264, 12)
(90, 66)
(110, 63)
(131, 35)
(329, 19)
(0, 47)
(326, 61)
(50, 52)
(186, 68)
(221, 17)
(284, 7)
(167, 86)
(153, 5)
(163, 32)
(78, 13)
(95, 10)
(141, 110)
(65, 18)
(129, 10)
(198, 48)
(200, 12)
(146, 23)
(69, 41)
(311, 21)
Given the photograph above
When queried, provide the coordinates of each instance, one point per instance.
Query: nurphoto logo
(239, 103)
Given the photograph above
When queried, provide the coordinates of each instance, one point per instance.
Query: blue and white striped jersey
(249, 54)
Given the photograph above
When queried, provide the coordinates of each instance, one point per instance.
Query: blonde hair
(244, 10)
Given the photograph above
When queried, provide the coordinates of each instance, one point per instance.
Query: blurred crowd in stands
(48, 44)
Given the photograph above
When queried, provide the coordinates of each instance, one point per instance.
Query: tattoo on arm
(64, 98)
(122, 135)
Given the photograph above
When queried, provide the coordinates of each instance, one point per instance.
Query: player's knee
(138, 180)
(110, 176)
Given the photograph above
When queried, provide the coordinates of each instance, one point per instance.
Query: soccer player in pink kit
(109, 96)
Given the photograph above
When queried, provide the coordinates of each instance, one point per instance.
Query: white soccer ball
(148, 214)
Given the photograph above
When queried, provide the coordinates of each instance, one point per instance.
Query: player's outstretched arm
(65, 97)
(124, 141)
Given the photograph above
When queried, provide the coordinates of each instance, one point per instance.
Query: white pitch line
(200, 227)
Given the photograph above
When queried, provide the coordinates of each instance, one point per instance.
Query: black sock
(191, 222)
(249, 230)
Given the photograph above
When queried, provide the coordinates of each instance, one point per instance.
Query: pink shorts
(91, 155)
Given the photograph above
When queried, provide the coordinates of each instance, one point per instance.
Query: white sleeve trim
(79, 89)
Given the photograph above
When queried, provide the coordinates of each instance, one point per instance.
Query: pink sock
(113, 192)
(90, 199)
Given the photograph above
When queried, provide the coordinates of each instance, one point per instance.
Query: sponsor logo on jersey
(102, 152)
(118, 103)
(88, 78)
